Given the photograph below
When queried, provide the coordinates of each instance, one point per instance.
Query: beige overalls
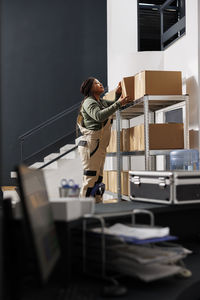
(92, 149)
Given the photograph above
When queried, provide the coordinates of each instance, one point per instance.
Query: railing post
(21, 149)
(161, 28)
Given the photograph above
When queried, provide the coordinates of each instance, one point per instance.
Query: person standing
(94, 121)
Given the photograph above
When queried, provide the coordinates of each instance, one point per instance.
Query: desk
(85, 287)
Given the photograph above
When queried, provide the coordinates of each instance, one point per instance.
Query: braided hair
(86, 86)
(85, 89)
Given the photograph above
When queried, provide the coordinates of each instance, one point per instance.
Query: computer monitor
(39, 219)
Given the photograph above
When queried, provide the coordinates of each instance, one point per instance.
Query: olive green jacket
(95, 113)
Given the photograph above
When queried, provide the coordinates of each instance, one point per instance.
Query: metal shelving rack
(143, 106)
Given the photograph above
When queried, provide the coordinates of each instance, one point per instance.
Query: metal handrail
(47, 146)
(53, 119)
(49, 121)
(173, 30)
(41, 126)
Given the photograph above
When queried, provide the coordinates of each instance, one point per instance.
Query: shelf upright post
(118, 154)
(146, 132)
(186, 123)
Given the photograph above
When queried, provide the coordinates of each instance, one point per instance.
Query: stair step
(37, 165)
(71, 155)
(67, 147)
(51, 157)
(48, 158)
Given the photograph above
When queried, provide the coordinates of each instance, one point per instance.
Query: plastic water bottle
(68, 188)
(184, 159)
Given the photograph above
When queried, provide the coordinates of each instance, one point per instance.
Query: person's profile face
(97, 87)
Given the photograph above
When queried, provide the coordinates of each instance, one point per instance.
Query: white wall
(183, 55)
(124, 60)
(198, 68)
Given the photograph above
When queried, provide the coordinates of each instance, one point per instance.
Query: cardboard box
(112, 147)
(110, 95)
(193, 138)
(128, 87)
(105, 179)
(135, 134)
(161, 136)
(112, 175)
(128, 84)
(126, 139)
(158, 83)
(125, 183)
(112, 181)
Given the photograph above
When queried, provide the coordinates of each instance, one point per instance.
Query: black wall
(48, 47)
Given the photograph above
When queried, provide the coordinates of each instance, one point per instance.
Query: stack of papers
(147, 273)
(139, 257)
(150, 254)
(134, 234)
(147, 263)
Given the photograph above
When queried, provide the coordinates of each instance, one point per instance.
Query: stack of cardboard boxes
(161, 136)
(150, 83)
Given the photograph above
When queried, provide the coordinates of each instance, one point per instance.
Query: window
(160, 23)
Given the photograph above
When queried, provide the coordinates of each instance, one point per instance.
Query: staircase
(68, 166)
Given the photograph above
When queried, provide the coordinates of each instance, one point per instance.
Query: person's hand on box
(119, 88)
(124, 100)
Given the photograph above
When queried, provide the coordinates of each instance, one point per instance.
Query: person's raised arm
(92, 108)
